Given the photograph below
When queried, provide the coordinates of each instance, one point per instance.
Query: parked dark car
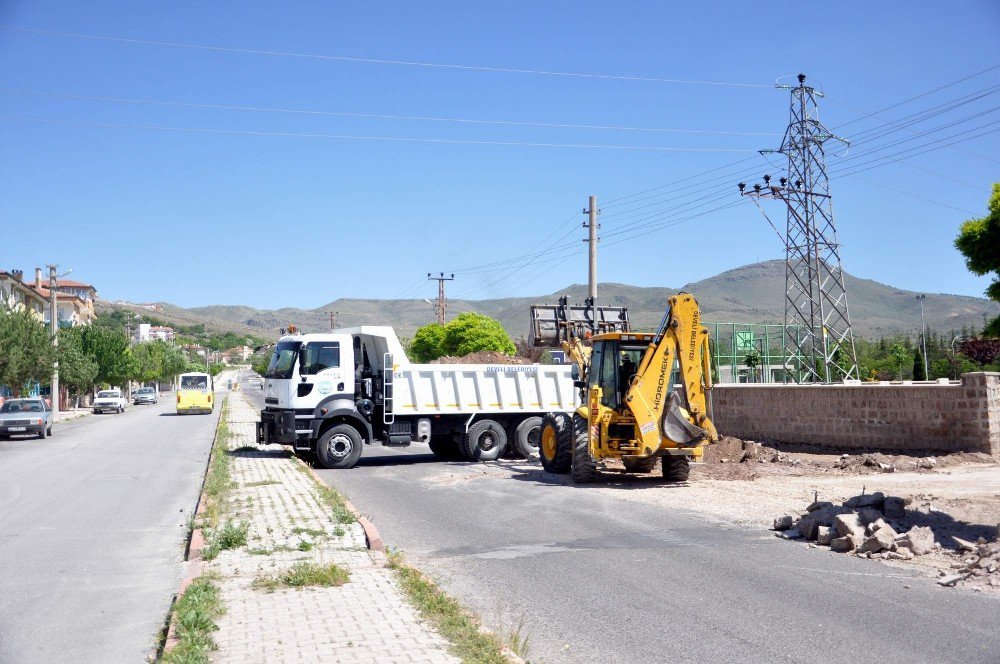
(20, 417)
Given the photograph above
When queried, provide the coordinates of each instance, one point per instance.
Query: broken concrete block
(894, 507)
(875, 525)
(824, 535)
(848, 524)
(820, 517)
(881, 540)
(819, 505)
(866, 500)
(868, 515)
(951, 579)
(842, 544)
(901, 554)
(784, 522)
(792, 534)
(964, 545)
(919, 539)
(927, 463)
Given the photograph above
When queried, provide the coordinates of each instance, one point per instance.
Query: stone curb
(372, 535)
(196, 542)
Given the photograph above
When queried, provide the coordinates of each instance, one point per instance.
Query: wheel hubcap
(549, 443)
(340, 446)
(487, 441)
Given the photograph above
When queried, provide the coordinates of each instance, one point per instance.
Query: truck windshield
(283, 360)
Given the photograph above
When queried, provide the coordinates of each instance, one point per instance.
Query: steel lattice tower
(819, 344)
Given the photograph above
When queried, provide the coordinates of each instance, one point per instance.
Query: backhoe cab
(645, 396)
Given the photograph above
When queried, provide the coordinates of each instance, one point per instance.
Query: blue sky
(269, 219)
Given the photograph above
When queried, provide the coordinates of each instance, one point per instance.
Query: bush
(426, 344)
(471, 332)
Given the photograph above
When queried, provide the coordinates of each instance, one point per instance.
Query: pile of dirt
(481, 357)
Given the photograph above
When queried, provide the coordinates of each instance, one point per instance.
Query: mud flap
(677, 427)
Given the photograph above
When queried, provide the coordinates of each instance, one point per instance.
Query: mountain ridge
(751, 293)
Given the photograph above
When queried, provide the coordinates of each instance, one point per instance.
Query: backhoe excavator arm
(679, 419)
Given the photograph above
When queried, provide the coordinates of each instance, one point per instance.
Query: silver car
(19, 417)
(145, 395)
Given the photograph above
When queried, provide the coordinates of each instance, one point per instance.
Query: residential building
(74, 300)
(14, 293)
(147, 332)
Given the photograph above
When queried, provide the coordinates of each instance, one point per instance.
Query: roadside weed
(304, 574)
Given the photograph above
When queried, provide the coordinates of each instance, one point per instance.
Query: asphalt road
(92, 529)
(598, 579)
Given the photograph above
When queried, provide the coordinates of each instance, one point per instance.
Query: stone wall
(891, 417)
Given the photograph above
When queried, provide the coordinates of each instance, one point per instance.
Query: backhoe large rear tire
(676, 468)
(584, 465)
(485, 441)
(555, 444)
(643, 465)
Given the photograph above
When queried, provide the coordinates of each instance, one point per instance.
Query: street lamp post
(923, 334)
(54, 329)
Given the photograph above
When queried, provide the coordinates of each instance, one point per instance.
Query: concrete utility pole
(333, 320)
(592, 225)
(441, 299)
(54, 327)
(923, 334)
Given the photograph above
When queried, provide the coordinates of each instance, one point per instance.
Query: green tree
(27, 353)
(426, 343)
(174, 363)
(752, 360)
(471, 332)
(109, 348)
(898, 358)
(979, 242)
(77, 370)
(918, 366)
(148, 358)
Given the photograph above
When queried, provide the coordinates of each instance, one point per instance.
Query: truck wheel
(527, 436)
(555, 444)
(339, 447)
(444, 446)
(485, 441)
(676, 468)
(643, 465)
(584, 465)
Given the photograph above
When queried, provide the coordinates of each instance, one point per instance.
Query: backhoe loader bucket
(552, 324)
(676, 425)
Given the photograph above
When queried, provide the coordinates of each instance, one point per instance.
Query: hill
(749, 294)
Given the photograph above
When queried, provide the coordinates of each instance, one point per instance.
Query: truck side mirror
(575, 372)
(302, 360)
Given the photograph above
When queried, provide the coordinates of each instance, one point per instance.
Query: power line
(381, 61)
(403, 139)
(917, 196)
(377, 116)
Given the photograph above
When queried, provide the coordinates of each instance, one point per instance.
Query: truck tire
(555, 443)
(485, 441)
(339, 447)
(444, 446)
(527, 435)
(584, 465)
(676, 468)
(642, 465)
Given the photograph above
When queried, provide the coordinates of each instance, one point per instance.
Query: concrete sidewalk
(365, 620)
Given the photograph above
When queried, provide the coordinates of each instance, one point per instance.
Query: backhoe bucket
(552, 324)
(677, 427)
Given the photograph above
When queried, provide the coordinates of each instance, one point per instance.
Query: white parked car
(110, 401)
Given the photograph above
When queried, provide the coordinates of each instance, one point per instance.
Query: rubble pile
(979, 559)
(866, 525)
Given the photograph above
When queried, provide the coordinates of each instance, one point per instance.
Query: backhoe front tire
(584, 466)
(339, 447)
(555, 443)
(642, 465)
(676, 468)
(485, 441)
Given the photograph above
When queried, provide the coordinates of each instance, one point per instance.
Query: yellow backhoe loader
(634, 406)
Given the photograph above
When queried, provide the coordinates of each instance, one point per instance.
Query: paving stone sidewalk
(365, 620)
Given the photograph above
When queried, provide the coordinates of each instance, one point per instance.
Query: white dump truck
(330, 394)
